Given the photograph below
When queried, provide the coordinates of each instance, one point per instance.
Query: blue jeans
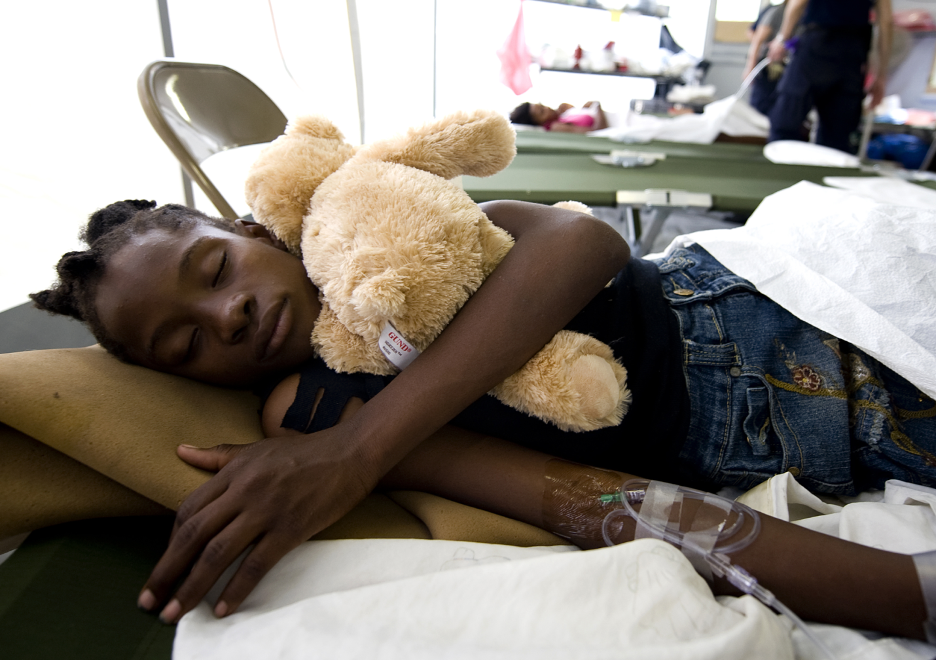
(771, 394)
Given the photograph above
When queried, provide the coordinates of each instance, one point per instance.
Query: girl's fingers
(211, 458)
(268, 551)
(186, 544)
(201, 497)
(219, 553)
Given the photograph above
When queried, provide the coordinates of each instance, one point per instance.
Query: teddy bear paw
(594, 380)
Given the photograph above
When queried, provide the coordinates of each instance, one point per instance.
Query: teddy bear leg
(574, 382)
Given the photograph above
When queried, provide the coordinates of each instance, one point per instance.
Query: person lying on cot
(564, 119)
(728, 390)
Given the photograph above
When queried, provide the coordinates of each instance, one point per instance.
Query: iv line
(659, 501)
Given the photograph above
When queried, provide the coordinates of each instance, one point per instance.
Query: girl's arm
(277, 494)
(561, 260)
(819, 577)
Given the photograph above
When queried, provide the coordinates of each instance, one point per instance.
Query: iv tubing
(634, 492)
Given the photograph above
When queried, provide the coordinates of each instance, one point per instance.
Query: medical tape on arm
(661, 516)
(572, 506)
(576, 505)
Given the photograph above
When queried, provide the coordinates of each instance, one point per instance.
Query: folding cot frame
(726, 177)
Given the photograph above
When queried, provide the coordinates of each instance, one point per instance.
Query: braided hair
(108, 230)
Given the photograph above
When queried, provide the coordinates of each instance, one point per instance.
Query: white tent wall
(315, 72)
(73, 133)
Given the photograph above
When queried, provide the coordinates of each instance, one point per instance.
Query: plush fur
(386, 237)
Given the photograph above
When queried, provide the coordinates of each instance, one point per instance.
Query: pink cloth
(515, 58)
(576, 117)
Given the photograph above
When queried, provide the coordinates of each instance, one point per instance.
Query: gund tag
(395, 347)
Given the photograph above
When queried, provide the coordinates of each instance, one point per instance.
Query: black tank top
(633, 318)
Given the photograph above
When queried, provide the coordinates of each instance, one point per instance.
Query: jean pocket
(757, 422)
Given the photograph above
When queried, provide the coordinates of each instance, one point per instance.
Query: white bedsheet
(731, 115)
(401, 599)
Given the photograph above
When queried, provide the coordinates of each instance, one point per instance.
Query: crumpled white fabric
(396, 598)
(731, 115)
(797, 152)
(861, 270)
(887, 190)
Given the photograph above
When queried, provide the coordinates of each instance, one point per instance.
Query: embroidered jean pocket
(757, 423)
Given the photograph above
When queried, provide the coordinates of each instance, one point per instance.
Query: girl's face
(216, 306)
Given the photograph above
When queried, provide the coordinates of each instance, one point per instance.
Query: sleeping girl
(728, 390)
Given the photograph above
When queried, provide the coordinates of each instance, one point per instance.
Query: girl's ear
(253, 229)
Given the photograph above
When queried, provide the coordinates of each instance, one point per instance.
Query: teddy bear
(396, 247)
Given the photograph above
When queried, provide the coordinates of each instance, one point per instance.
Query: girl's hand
(272, 495)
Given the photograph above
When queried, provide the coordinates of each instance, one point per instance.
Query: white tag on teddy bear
(396, 347)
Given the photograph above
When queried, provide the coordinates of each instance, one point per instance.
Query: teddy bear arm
(574, 382)
(479, 143)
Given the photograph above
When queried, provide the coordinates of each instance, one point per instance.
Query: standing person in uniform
(828, 67)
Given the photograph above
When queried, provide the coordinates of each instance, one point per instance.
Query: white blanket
(401, 599)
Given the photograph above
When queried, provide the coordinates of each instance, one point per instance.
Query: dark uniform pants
(827, 71)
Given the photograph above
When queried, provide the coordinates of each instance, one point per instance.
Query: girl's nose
(234, 315)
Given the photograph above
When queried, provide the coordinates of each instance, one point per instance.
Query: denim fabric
(771, 394)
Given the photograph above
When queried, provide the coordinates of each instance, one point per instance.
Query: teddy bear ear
(315, 126)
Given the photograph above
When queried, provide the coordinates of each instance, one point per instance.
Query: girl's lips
(274, 329)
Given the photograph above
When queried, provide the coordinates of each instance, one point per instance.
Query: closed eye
(221, 267)
(190, 352)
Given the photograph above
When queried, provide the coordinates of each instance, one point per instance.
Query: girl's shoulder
(313, 398)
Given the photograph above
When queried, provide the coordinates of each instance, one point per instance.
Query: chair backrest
(201, 109)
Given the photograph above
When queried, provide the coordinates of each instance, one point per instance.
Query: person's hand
(777, 50)
(875, 92)
(273, 494)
